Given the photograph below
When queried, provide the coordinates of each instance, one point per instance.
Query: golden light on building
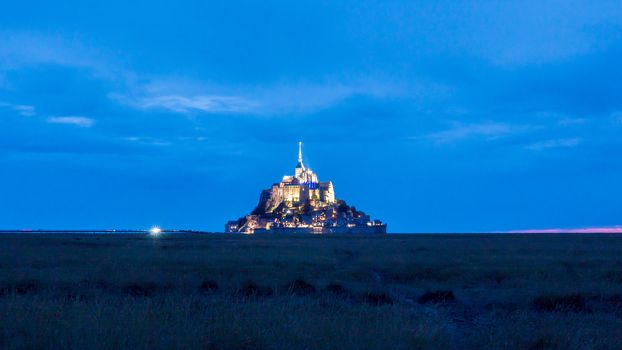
(302, 203)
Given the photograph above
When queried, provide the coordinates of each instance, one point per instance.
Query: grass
(309, 292)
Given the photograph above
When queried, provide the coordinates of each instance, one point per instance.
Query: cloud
(558, 143)
(25, 110)
(20, 49)
(82, 122)
(572, 121)
(188, 104)
(485, 130)
(180, 95)
(305, 97)
(148, 141)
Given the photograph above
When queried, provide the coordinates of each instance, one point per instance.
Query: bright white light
(155, 230)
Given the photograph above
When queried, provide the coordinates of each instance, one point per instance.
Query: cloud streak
(185, 96)
(485, 130)
(24, 110)
(82, 122)
(189, 104)
(551, 144)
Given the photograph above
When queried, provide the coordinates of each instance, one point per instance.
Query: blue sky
(430, 115)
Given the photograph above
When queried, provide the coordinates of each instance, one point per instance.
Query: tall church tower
(300, 168)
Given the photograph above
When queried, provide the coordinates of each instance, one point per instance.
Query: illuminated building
(303, 204)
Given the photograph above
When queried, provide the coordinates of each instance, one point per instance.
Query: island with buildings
(303, 204)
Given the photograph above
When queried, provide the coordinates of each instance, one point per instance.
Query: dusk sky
(429, 115)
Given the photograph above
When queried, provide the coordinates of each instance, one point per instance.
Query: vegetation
(310, 292)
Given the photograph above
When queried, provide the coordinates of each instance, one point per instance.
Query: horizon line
(616, 229)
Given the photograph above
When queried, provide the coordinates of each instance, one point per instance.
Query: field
(307, 292)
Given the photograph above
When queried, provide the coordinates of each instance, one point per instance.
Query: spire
(300, 165)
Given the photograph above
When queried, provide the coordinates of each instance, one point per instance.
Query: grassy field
(307, 292)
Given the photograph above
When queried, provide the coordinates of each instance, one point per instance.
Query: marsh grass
(304, 292)
(437, 297)
(572, 302)
(176, 321)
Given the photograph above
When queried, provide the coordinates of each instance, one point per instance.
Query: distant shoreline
(126, 232)
(165, 232)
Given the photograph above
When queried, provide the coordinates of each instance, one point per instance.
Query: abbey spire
(300, 167)
(300, 164)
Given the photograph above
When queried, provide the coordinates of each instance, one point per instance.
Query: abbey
(302, 204)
